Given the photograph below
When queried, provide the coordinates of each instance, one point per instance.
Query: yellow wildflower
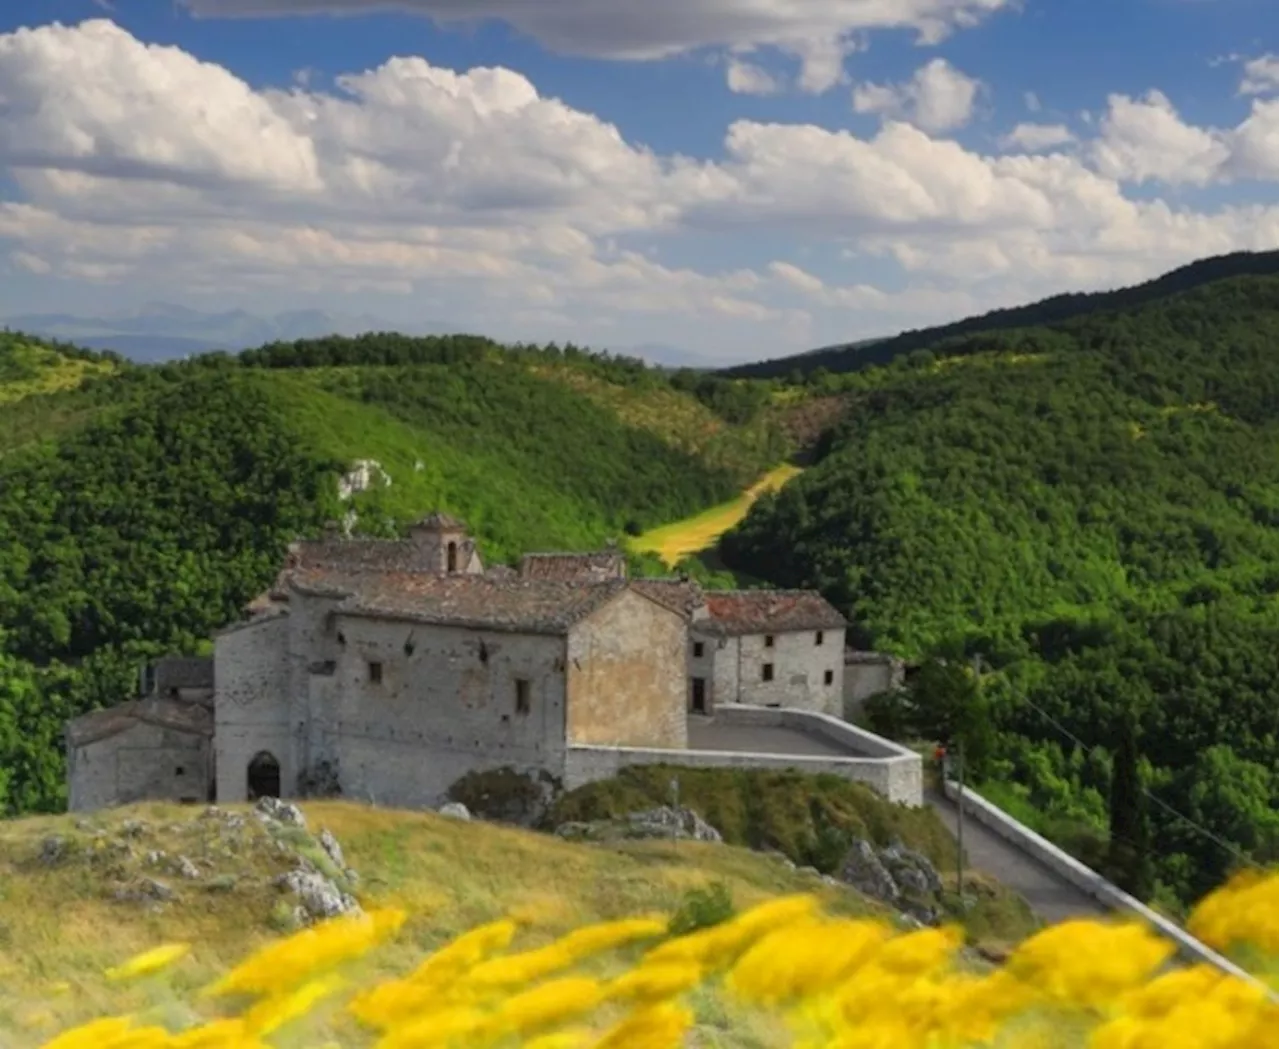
(148, 962)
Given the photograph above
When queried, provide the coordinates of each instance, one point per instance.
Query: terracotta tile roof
(475, 601)
(737, 612)
(575, 568)
(679, 595)
(192, 718)
(357, 555)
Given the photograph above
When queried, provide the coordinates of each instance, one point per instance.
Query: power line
(1225, 845)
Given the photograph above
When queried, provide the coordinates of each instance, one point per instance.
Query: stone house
(157, 746)
(767, 648)
(386, 670)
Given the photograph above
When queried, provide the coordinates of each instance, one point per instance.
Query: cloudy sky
(741, 178)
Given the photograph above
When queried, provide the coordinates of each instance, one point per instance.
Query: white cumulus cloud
(1261, 75)
(1035, 138)
(471, 192)
(937, 98)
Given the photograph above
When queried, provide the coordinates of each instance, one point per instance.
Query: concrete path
(1051, 898)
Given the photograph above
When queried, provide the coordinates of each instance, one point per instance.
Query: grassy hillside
(1092, 507)
(141, 507)
(870, 353)
(450, 876)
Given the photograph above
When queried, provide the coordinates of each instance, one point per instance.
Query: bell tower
(443, 546)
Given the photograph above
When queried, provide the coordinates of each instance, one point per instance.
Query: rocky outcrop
(896, 875)
(268, 853)
(665, 821)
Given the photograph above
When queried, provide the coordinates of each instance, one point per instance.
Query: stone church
(385, 670)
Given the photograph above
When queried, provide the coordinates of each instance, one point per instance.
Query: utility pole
(977, 669)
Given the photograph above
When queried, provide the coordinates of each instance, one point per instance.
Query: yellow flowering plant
(834, 983)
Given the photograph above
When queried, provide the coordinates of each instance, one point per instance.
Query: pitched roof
(439, 521)
(738, 612)
(475, 601)
(192, 718)
(679, 595)
(356, 555)
(596, 566)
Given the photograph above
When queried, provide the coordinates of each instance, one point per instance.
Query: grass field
(61, 927)
(678, 540)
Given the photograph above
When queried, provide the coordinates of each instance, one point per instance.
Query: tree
(1129, 851)
(945, 703)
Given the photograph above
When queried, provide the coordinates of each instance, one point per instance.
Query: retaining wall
(1084, 878)
(893, 771)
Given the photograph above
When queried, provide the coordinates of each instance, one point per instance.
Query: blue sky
(734, 177)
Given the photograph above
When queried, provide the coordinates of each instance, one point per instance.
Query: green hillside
(1092, 507)
(141, 507)
(869, 353)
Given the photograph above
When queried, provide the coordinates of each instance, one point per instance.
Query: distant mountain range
(162, 331)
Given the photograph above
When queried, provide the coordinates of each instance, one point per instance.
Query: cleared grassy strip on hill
(676, 541)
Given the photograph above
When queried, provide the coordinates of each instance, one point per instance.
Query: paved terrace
(708, 734)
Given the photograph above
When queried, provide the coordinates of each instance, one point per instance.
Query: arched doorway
(264, 776)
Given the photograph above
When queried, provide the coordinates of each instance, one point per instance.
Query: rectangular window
(768, 641)
(697, 650)
(766, 672)
(375, 672)
(817, 638)
(179, 771)
(522, 696)
(828, 677)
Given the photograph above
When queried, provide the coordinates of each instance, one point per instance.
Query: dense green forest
(1091, 506)
(141, 507)
(870, 353)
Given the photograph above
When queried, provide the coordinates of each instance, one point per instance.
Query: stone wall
(1072, 871)
(893, 771)
(800, 666)
(626, 682)
(252, 703)
(446, 705)
(142, 762)
(868, 674)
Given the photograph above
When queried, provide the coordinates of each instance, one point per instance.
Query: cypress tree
(1129, 851)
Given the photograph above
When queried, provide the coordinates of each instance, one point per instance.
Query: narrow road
(1051, 898)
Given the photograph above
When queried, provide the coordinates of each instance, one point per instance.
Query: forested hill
(1092, 507)
(1059, 308)
(140, 507)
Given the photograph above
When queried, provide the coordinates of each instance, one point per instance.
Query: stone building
(386, 670)
(868, 674)
(156, 746)
(767, 648)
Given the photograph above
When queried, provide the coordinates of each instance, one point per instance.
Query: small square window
(828, 677)
(818, 638)
(766, 672)
(375, 673)
(768, 641)
(523, 703)
(697, 649)
(179, 771)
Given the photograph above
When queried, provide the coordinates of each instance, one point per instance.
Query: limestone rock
(281, 811)
(898, 876)
(662, 822)
(53, 849)
(185, 868)
(863, 870)
(317, 895)
(455, 810)
(332, 849)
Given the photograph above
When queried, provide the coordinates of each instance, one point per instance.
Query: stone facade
(386, 670)
(767, 648)
(151, 748)
(868, 674)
